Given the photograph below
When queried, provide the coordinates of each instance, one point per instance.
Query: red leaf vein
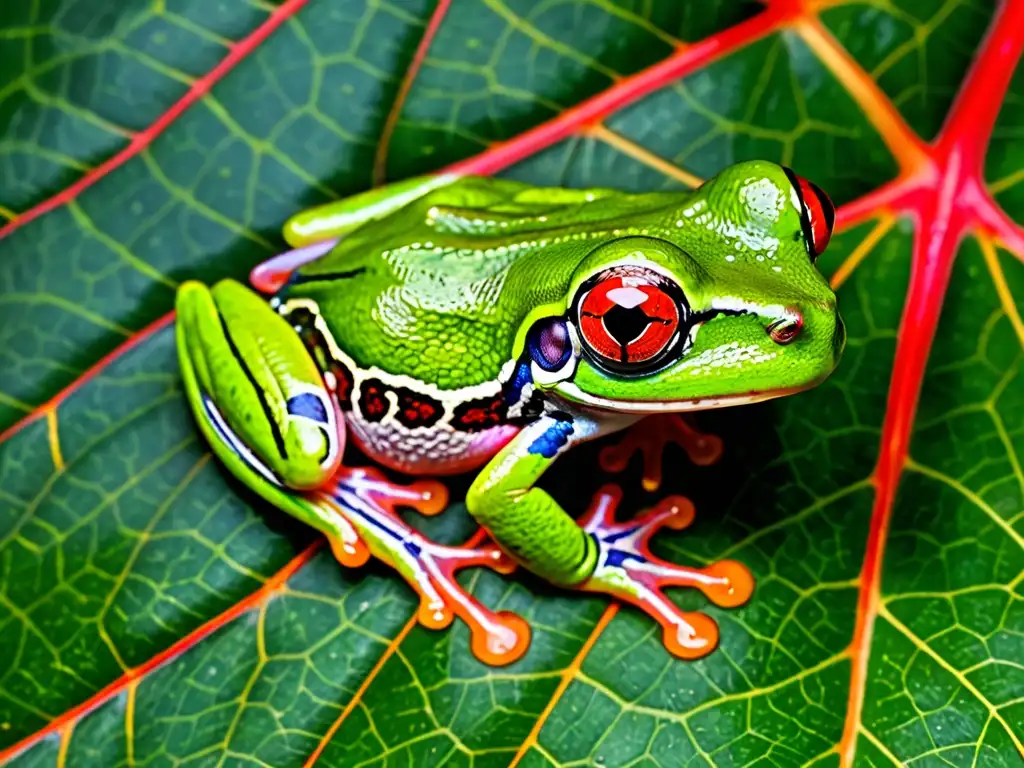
(66, 722)
(140, 141)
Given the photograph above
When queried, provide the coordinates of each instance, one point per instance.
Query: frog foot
(650, 437)
(368, 502)
(627, 570)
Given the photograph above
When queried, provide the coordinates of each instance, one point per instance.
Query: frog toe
(368, 502)
(627, 569)
(651, 437)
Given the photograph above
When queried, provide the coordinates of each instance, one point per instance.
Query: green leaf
(294, 124)
(81, 79)
(153, 611)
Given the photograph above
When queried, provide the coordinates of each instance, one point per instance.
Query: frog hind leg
(261, 403)
(315, 232)
(600, 555)
(249, 377)
(334, 219)
(367, 501)
(243, 367)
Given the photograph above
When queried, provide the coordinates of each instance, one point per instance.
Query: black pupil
(624, 324)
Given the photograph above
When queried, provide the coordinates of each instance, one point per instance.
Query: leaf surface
(153, 611)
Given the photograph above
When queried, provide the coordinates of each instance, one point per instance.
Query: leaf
(154, 611)
(80, 80)
(203, 197)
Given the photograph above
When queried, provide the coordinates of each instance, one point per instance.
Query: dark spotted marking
(480, 414)
(345, 384)
(315, 342)
(416, 409)
(373, 405)
(304, 322)
(533, 409)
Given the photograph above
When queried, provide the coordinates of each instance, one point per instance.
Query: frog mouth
(577, 396)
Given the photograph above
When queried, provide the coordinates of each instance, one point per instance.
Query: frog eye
(817, 214)
(630, 321)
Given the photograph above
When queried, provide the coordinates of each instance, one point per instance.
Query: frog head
(719, 304)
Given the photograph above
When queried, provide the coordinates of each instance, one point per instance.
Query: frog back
(438, 289)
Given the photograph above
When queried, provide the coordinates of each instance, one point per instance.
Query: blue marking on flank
(514, 389)
(309, 405)
(554, 437)
(616, 557)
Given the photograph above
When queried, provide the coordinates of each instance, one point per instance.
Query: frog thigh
(256, 392)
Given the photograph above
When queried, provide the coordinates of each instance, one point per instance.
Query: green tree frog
(454, 324)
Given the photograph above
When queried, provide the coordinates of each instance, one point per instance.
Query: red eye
(628, 320)
(818, 215)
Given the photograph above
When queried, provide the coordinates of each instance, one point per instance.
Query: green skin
(436, 286)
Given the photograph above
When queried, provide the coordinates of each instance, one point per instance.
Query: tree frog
(453, 324)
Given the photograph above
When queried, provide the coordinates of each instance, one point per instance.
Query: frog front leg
(602, 555)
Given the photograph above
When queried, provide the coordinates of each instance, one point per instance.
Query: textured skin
(440, 288)
(427, 451)
(443, 302)
(426, 304)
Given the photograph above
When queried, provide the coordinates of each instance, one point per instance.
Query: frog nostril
(785, 330)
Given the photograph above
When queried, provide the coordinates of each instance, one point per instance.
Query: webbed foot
(367, 502)
(627, 570)
(650, 437)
